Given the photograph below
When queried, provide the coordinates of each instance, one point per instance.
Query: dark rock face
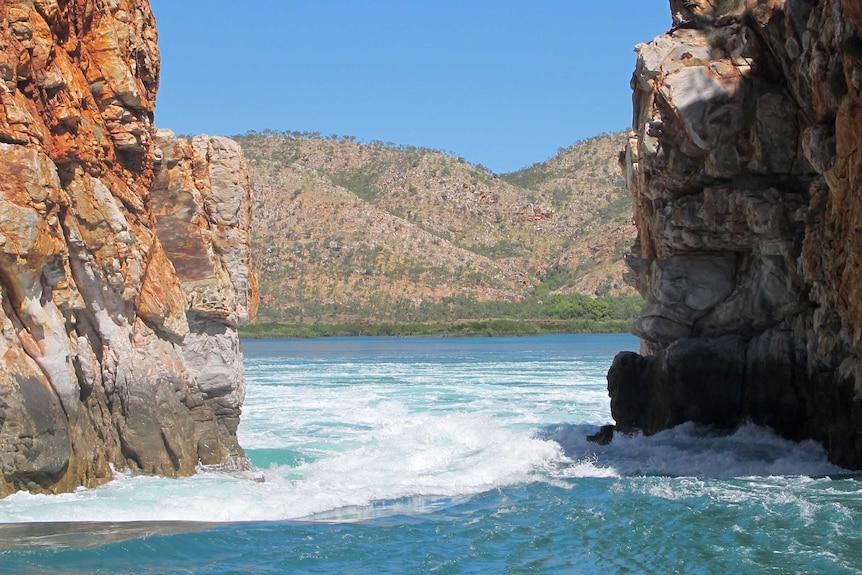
(692, 381)
(745, 166)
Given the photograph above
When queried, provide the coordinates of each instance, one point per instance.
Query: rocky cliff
(124, 258)
(746, 167)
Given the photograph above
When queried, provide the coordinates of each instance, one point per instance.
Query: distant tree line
(391, 146)
(541, 306)
(485, 328)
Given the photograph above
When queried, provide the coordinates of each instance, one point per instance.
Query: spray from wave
(694, 450)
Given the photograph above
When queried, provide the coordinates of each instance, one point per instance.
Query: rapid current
(451, 455)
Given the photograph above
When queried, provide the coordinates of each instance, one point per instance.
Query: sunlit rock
(108, 354)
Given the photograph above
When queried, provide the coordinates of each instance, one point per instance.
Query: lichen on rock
(745, 165)
(107, 354)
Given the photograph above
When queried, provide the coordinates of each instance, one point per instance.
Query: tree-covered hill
(347, 231)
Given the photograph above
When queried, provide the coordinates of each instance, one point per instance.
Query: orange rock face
(746, 166)
(101, 343)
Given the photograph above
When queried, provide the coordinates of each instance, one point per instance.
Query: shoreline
(467, 328)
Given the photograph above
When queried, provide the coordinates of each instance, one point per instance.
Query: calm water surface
(384, 455)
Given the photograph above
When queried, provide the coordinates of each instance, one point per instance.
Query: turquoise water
(378, 455)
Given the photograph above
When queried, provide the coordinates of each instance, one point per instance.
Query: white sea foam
(362, 436)
(698, 451)
(298, 404)
(409, 466)
(352, 439)
(427, 461)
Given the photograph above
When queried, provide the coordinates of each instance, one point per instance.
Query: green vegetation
(482, 328)
(543, 312)
(459, 308)
(361, 181)
(502, 249)
(253, 136)
(617, 208)
(718, 37)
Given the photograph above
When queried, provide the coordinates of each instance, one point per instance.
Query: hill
(348, 231)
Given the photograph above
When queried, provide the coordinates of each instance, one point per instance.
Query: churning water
(384, 455)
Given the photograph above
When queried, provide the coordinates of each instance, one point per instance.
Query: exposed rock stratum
(124, 258)
(746, 169)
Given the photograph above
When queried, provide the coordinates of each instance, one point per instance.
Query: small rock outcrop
(745, 167)
(124, 258)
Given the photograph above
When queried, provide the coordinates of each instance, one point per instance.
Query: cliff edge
(746, 167)
(124, 258)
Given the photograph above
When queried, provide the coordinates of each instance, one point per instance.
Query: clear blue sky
(501, 83)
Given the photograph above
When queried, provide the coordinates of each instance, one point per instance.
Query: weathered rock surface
(746, 167)
(201, 200)
(118, 342)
